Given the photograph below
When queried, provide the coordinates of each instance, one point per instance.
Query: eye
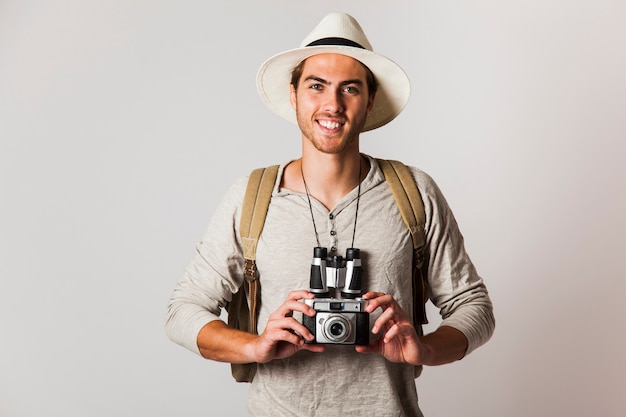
(316, 86)
(351, 89)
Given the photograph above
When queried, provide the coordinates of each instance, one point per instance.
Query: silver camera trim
(356, 305)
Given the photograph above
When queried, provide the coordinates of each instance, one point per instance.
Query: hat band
(335, 42)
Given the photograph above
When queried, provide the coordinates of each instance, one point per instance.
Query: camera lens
(336, 329)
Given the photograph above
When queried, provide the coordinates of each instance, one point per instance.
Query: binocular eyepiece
(336, 272)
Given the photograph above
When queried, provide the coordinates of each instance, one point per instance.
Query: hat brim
(274, 77)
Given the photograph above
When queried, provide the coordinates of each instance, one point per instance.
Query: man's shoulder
(423, 180)
(233, 198)
(238, 186)
(421, 176)
(237, 189)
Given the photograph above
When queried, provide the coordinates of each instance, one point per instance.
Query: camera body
(338, 321)
(340, 312)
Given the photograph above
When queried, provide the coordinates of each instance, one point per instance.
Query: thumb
(367, 348)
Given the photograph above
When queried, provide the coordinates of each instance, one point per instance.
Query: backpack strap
(243, 309)
(254, 210)
(411, 206)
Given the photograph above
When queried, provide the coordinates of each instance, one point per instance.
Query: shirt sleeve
(212, 276)
(454, 284)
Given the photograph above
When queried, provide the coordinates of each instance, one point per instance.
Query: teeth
(329, 125)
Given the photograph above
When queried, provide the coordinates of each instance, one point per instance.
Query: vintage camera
(336, 282)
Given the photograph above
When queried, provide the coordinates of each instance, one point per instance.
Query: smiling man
(335, 87)
(332, 101)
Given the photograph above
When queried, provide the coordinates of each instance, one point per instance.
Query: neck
(330, 177)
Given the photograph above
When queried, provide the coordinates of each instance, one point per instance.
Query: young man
(335, 87)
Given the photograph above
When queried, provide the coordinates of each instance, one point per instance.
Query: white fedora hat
(337, 33)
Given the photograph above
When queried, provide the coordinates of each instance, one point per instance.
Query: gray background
(122, 123)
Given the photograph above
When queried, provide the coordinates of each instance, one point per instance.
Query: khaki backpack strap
(243, 308)
(411, 206)
(255, 206)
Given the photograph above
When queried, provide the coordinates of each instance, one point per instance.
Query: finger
(276, 336)
(289, 337)
(382, 300)
(292, 304)
(289, 306)
(313, 347)
(391, 332)
(299, 295)
(302, 331)
(367, 348)
(372, 294)
(387, 318)
(290, 326)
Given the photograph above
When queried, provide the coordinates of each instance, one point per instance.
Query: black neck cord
(358, 198)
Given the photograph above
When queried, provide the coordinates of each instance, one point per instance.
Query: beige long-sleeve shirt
(338, 381)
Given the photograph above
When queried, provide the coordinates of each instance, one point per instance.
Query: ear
(370, 103)
(292, 96)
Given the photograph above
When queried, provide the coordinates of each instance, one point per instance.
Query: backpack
(244, 306)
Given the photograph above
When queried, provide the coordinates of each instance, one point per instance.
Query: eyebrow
(323, 81)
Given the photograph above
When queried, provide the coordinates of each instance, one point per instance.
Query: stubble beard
(329, 144)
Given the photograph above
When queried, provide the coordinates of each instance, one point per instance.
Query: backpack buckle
(249, 270)
(420, 257)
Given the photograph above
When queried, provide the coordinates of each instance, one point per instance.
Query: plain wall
(123, 122)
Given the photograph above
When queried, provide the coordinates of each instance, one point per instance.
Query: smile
(329, 124)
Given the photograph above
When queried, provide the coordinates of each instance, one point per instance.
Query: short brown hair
(372, 84)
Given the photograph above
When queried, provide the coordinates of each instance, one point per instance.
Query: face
(332, 102)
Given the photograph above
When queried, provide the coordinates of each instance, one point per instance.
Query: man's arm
(444, 345)
(217, 341)
(283, 336)
(454, 285)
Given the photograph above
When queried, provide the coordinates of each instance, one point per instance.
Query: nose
(334, 102)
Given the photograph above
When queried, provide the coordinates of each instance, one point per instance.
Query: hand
(283, 335)
(399, 341)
